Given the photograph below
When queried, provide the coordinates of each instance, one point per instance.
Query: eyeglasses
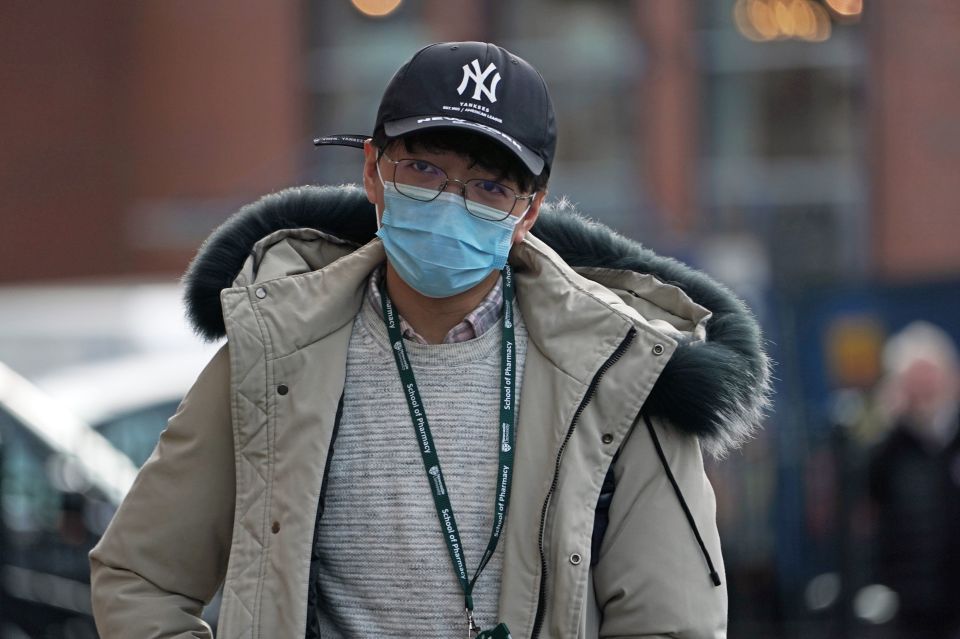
(424, 181)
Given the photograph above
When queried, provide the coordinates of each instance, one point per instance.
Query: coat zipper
(310, 634)
(591, 391)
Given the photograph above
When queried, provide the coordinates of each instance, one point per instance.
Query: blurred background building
(805, 152)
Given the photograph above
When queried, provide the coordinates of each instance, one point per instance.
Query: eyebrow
(499, 175)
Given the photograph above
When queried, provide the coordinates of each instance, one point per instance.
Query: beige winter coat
(231, 494)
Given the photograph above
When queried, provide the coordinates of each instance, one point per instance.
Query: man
(914, 482)
(485, 419)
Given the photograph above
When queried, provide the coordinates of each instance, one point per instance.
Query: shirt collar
(474, 324)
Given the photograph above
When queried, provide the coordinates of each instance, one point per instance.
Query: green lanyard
(431, 462)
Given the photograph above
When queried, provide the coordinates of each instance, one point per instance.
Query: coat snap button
(282, 389)
(575, 559)
(658, 349)
(607, 438)
(275, 527)
(261, 292)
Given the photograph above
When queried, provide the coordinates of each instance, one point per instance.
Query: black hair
(482, 151)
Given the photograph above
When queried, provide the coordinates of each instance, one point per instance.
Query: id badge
(500, 632)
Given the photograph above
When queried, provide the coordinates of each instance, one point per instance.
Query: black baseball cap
(475, 86)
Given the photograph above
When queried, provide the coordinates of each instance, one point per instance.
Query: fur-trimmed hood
(717, 388)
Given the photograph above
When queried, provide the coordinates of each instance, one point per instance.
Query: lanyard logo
(398, 346)
(479, 79)
(437, 480)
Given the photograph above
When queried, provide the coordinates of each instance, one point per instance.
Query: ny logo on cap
(479, 78)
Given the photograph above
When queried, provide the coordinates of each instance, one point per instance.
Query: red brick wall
(914, 145)
(111, 107)
(668, 110)
(59, 187)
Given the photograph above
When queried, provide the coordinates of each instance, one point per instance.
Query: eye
(424, 167)
(490, 187)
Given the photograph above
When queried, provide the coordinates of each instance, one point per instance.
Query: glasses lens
(418, 179)
(485, 199)
(489, 200)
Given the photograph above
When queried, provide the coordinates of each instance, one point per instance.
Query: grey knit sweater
(384, 569)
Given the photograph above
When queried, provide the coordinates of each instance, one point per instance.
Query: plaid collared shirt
(475, 324)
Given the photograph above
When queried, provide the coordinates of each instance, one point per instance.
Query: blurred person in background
(372, 333)
(914, 483)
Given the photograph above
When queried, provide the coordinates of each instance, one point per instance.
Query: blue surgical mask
(438, 247)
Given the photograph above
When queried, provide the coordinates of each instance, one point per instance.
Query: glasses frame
(382, 153)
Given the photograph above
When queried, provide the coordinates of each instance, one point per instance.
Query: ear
(371, 181)
(520, 231)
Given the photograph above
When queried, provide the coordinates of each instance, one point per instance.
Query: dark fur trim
(718, 389)
(341, 211)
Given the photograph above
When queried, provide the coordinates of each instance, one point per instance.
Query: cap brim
(342, 140)
(397, 128)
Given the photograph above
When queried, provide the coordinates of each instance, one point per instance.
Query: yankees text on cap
(475, 86)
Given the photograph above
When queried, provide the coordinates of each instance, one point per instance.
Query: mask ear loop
(378, 214)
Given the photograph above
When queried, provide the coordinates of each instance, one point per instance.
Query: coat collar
(596, 283)
(572, 320)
